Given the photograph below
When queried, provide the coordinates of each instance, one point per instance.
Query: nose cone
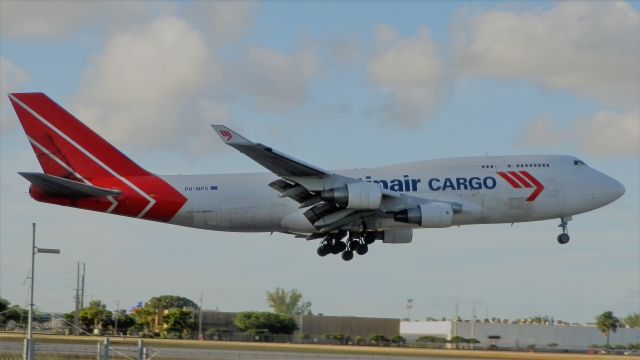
(617, 189)
(611, 190)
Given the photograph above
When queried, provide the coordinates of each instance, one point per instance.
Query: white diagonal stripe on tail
(89, 155)
(114, 202)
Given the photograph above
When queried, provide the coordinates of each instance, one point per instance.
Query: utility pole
(409, 306)
(455, 321)
(76, 320)
(82, 288)
(29, 346)
(117, 316)
(473, 322)
(200, 320)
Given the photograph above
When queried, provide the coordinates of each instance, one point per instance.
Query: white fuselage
(245, 202)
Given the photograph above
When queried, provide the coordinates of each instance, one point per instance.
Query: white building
(518, 336)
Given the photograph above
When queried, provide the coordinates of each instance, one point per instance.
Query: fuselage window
(578, 162)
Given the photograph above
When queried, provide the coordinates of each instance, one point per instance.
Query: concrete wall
(521, 336)
(412, 330)
(314, 325)
(317, 326)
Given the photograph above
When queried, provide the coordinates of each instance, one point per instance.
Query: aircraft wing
(311, 186)
(275, 161)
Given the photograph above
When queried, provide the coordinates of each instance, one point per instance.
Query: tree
(4, 305)
(16, 314)
(288, 302)
(166, 302)
(607, 323)
(145, 317)
(177, 323)
(125, 321)
(252, 321)
(94, 316)
(148, 315)
(632, 320)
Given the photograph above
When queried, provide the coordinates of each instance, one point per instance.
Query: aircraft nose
(617, 189)
(612, 189)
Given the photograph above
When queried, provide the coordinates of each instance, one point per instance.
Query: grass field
(303, 348)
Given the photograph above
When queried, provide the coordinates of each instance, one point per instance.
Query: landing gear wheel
(563, 238)
(347, 255)
(369, 238)
(362, 249)
(353, 245)
(323, 250)
(338, 247)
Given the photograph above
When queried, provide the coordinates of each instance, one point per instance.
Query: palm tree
(285, 302)
(606, 323)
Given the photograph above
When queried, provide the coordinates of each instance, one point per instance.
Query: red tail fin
(67, 148)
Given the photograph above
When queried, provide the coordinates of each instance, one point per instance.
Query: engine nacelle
(359, 195)
(397, 236)
(432, 215)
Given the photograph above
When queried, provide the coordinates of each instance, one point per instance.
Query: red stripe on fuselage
(536, 183)
(508, 179)
(520, 179)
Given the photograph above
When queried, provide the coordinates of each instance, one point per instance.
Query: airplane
(348, 210)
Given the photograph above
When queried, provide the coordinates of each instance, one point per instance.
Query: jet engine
(359, 195)
(430, 215)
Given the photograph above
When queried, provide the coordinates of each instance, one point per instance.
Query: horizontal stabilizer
(58, 186)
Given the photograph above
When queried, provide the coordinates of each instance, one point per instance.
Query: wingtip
(229, 136)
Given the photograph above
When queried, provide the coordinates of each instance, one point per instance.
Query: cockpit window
(578, 162)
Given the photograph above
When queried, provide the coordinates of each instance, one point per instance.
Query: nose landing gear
(564, 237)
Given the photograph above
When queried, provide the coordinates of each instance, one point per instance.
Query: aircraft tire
(362, 249)
(347, 255)
(563, 238)
(369, 238)
(323, 251)
(353, 245)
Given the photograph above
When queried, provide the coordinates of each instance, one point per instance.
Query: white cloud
(589, 48)
(541, 132)
(223, 20)
(276, 82)
(55, 19)
(609, 134)
(605, 134)
(12, 79)
(144, 87)
(415, 76)
(385, 33)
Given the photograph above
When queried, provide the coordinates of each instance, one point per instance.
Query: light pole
(34, 250)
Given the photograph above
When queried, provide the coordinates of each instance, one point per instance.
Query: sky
(339, 85)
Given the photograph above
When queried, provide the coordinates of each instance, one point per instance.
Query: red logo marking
(226, 134)
(522, 179)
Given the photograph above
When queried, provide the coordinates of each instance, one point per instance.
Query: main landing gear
(356, 242)
(564, 237)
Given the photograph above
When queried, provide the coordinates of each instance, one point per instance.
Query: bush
(431, 339)
(217, 333)
(398, 340)
(273, 323)
(378, 339)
